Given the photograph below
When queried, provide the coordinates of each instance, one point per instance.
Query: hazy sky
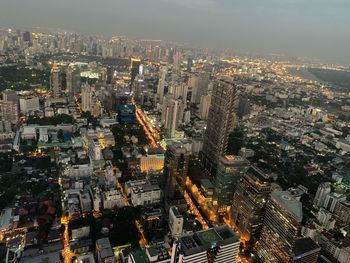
(313, 28)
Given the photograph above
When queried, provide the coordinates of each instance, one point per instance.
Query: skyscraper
(198, 83)
(175, 168)
(322, 191)
(73, 80)
(55, 83)
(204, 107)
(161, 83)
(221, 121)
(249, 202)
(281, 228)
(229, 171)
(134, 68)
(86, 97)
(172, 114)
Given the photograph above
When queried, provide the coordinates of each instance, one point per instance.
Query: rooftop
(104, 246)
(304, 246)
(206, 239)
(289, 203)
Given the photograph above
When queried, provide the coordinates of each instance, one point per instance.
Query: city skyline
(314, 29)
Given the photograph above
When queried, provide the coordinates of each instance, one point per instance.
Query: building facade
(221, 122)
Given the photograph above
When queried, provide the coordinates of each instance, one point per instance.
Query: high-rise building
(172, 114)
(55, 81)
(134, 68)
(281, 228)
(189, 64)
(249, 202)
(161, 83)
(216, 245)
(323, 190)
(198, 83)
(86, 97)
(73, 80)
(229, 171)
(342, 212)
(179, 91)
(9, 111)
(204, 107)
(175, 169)
(221, 121)
(332, 200)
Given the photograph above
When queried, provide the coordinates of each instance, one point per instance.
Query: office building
(219, 245)
(176, 222)
(322, 191)
(281, 228)
(221, 121)
(249, 202)
(229, 171)
(175, 169)
(55, 81)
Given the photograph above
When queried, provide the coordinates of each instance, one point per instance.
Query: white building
(143, 192)
(27, 105)
(80, 170)
(176, 222)
(172, 114)
(94, 150)
(323, 190)
(112, 199)
(332, 200)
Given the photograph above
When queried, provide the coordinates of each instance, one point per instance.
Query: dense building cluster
(142, 151)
